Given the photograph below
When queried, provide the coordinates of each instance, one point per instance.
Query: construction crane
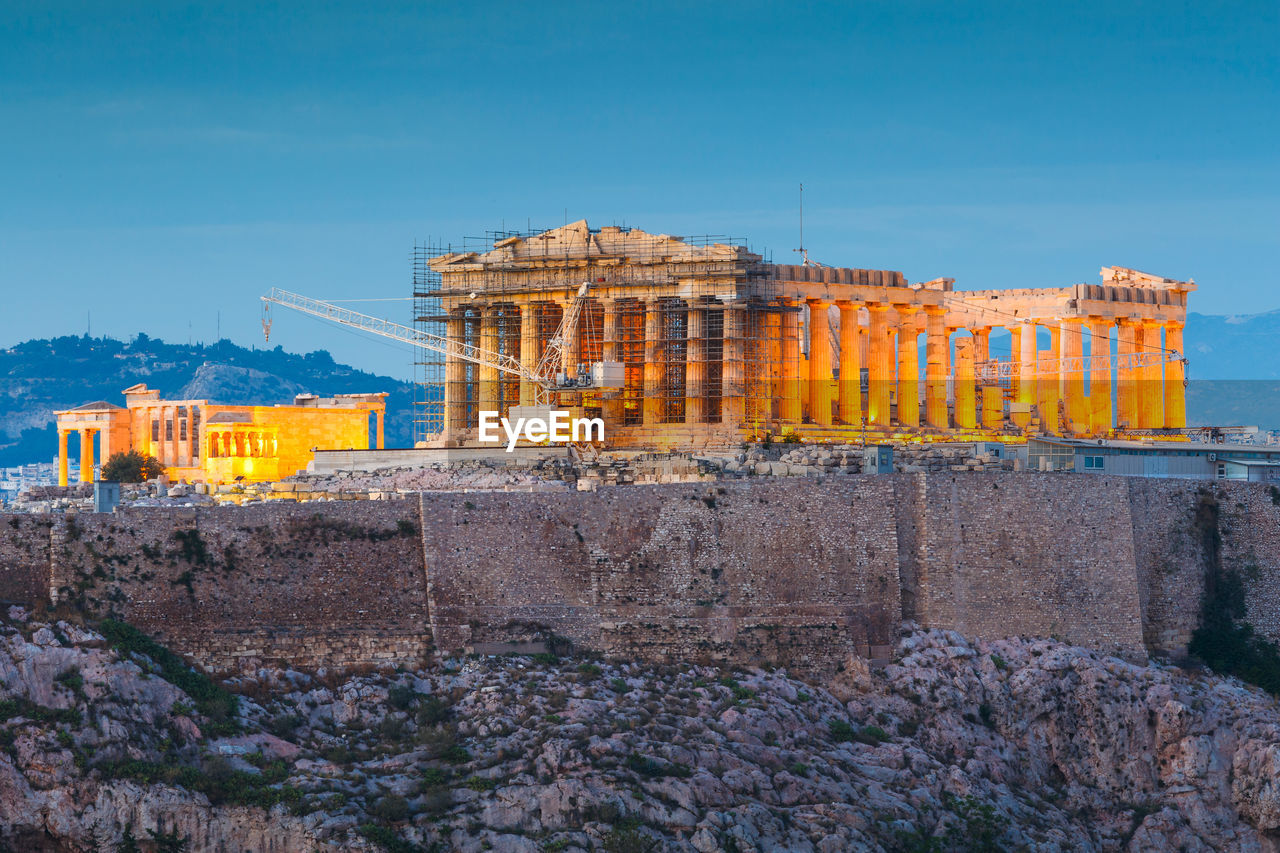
(547, 378)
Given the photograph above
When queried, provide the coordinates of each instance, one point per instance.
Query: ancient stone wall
(1030, 554)
(24, 558)
(792, 572)
(1169, 557)
(332, 584)
(798, 571)
(1250, 528)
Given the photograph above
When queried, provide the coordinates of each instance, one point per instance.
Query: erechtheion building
(715, 344)
(203, 442)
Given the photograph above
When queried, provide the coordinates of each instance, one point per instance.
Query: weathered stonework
(803, 571)
(781, 571)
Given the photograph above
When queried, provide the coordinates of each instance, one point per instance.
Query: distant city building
(199, 441)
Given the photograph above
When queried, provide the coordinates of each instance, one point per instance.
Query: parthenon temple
(714, 345)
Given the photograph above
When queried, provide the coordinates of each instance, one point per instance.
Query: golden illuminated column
(86, 455)
(610, 400)
(1126, 378)
(1027, 368)
(1099, 375)
(935, 372)
(966, 404)
(1073, 379)
(850, 365)
(488, 390)
(791, 363)
(772, 370)
(981, 343)
(455, 380)
(992, 407)
(161, 447)
(186, 445)
(652, 366)
(880, 358)
(379, 417)
(1175, 377)
(733, 392)
(819, 363)
(1151, 377)
(695, 361)
(1047, 392)
(908, 367)
(62, 457)
(529, 344)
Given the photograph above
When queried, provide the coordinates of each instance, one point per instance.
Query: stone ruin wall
(796, 574)
(235, 587)
(24, 558)
(801, 571)
(1030, 554)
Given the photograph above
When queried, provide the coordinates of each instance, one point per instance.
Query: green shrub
(392, 808)
(212, 700)
(131, 467)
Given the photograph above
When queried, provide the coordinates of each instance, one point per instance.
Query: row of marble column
(761, 365)
(234, 442)
(87, 435)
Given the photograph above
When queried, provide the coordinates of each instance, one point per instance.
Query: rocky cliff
(1003, 745)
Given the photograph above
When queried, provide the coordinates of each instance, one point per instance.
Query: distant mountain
(1233, 347)
(41, 376)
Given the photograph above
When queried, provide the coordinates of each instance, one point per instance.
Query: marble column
(86, 454)
(1175, 377)
(695, 370)
(966, 414)
(880, 358)
(1126, 376)
(791, 364)
(62, 457)
(850, 391)
(529, 347)
(455, 380)
(908, 367)
(653, 364)
(611, 400)
(1151, 377)
(819, 363)
(935, 374)
(1073, 379)
(1100, 362)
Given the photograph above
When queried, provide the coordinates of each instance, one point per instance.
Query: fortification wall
(317, 585)
(795, 571)
(24, 558)
(1030, 554)
(1249, 523)
(787, 571)
(1170, 558)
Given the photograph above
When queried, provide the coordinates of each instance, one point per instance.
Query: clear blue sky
(163, 163)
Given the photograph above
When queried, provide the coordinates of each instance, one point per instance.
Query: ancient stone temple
(712, 344)
(203, 442)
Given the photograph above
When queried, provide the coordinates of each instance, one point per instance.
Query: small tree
(131, 467)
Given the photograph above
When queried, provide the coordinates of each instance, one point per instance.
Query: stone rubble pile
(1015, 744)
